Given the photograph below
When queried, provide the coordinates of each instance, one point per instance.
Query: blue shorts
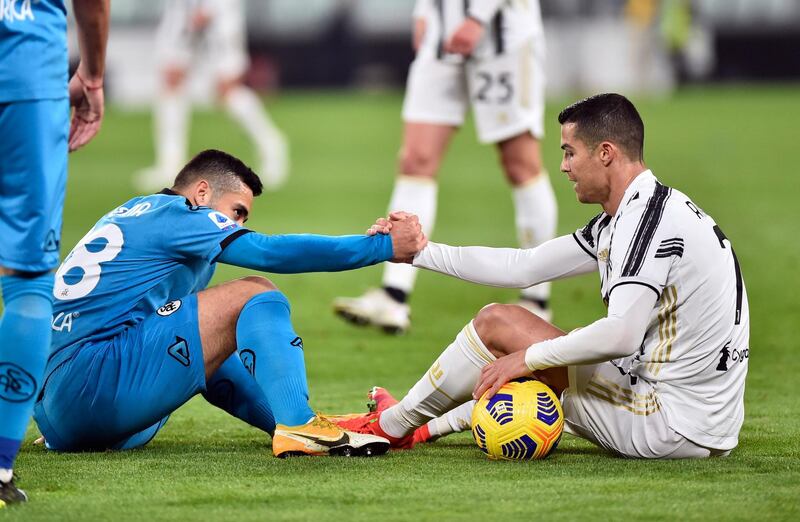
(33, 179)
(116, 394)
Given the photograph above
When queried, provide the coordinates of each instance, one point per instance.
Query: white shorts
(506, 93)
(221, 45)
(604, 407)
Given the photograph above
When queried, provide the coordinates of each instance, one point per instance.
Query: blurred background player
(36, 135)
(207, 35)
(487, 54)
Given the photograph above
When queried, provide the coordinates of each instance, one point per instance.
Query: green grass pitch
(730, 149)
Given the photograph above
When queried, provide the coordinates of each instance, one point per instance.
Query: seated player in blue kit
(136, 333)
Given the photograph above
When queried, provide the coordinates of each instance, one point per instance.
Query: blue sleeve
(298, 253)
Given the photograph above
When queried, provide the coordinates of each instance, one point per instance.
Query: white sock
(171, 132)
(535, 214)
(246, 108)
(6, 475)
(416, 195)
(454, 421)
(447, 384)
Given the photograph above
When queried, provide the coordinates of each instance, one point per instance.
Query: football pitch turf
(730, 149)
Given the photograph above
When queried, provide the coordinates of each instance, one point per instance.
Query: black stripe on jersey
(739, 283)
(230, 239)
(440, 12)
(497, 26)
(651, 287)
(675, 241)
(586, 232)
(603, 224)
(668, 252)
(645, 230)
(583, 247)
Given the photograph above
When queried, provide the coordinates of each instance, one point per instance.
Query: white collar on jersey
(646, 176)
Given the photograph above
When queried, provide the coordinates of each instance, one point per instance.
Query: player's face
(235, 205)
(583, 167)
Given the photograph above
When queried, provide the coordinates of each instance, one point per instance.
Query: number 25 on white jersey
(80, 272)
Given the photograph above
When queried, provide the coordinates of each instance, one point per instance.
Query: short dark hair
(607, 117)
(222, 170)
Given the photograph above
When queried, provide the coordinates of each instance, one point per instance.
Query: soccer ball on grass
(523, 421)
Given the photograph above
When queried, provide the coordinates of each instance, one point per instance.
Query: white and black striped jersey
(509, 24)
(696, 347)
(678, 314)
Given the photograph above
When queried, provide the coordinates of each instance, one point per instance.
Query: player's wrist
(531, 360)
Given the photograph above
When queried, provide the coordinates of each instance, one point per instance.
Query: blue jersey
(141, 255)
(33, 50)
(159, 248)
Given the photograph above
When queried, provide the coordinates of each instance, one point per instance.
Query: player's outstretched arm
(86, 86)
(508, 267)
(299, 253)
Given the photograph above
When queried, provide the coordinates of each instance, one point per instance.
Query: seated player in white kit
(207, 35)
(663, 375)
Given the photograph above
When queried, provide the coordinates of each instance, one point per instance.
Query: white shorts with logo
(506, 92)
(221, 45)
(604, 407)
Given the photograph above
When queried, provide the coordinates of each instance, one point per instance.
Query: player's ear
(203, 192)
(608, 151)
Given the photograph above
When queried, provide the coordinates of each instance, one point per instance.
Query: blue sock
(24, 348)
(273, 353)
(233, 389)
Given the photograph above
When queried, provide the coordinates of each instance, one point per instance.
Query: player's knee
(257, 284)
(520, 169)
(491, 321)
(417, 162)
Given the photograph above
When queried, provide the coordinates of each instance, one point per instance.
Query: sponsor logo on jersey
(16, 10)
(16, 385)
(169, 308)
(222, 221)
(63, 321)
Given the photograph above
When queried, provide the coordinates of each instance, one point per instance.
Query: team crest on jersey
(222, 221)
(169, 308)
(603, 255)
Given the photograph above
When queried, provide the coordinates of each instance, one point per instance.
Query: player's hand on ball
(465, 38)
(494, 375)
(407, 236)
(87, 99)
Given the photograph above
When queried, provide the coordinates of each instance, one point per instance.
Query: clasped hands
(406, 232)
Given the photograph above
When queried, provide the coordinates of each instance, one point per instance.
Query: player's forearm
(298, 253)
(508, 267)
(91, 17)
(618, 335)
(484, 10)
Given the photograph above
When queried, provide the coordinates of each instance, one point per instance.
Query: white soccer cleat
(534, 308)
(375, 307)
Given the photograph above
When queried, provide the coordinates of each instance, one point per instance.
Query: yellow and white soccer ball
(523, 421)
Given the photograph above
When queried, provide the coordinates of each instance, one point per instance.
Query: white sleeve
(619, 334)
(484, 10)
(422, 8)
(508, 267)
